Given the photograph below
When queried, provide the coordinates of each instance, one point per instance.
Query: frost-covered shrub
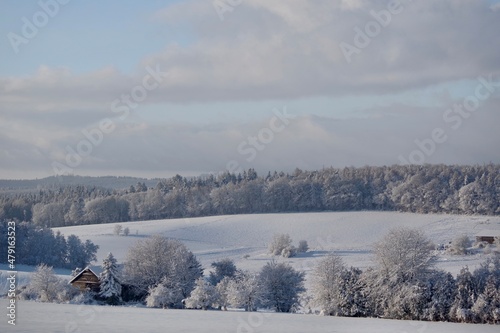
(45, 284)
(288, 252)
(86, 297)
(203, 295)
(303, 247)
(163, 296)
(281, 245)
(460, 245)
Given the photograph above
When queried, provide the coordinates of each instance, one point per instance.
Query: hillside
(349, 234)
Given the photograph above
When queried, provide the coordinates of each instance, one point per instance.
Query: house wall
(87, 280)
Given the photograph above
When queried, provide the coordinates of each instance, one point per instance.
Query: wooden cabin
(487, 236)
(87, 279)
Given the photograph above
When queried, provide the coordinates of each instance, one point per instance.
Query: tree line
(35, 245)
(403, 283)
(410, 188)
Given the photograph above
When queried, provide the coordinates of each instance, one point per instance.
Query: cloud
(308, 142)
(266, 50)
(262, 51)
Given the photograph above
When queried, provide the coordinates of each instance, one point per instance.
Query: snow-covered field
(65, 318)
(349, 234)
(244, 238)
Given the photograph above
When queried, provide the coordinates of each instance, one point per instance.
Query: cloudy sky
(155, 88)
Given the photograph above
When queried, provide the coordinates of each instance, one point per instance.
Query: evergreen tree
(111, 288)
(486, 309)
(443, 290)
(464, 300)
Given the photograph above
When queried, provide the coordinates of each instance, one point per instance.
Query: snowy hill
(349, 234)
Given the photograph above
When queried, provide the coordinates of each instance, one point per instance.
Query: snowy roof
(96, 270)
(488, 233)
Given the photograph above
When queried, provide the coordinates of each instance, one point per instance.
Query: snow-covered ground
(349, 234)
(244, 238)
(55, 318)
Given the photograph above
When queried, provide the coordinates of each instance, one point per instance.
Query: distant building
(487, 236)
(87, 279)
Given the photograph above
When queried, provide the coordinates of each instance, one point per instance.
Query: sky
(158, 88)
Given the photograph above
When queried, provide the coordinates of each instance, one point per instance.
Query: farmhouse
(88, 278)
(487, 236)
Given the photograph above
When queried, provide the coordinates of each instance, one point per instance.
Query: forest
(449, 189)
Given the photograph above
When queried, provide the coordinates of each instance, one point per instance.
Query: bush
(303, 247)
(45, 286)
(203, 295)
(282, 245)
(117, 230)
(460, 245)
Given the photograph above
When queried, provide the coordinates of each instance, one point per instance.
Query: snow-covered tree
(244, 291)
(126, 231)
(442, 295)
(489, 268)
(325, 284)
(465, 297)
(222, 293)
(45, 283)
(281, 286)
(486, 309)
(351, 301)
(404, 254)
(159, 259)
(202, 296)
(281, 244)
(80, 254)
(460, 245)
(222, 268)
(110, 289)
(163, 296)
(303, 246)
(76, 212)
(117, 230)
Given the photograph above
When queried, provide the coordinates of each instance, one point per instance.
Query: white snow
(55, 318)
(349, 234)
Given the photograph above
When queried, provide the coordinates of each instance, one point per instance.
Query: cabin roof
(96, 270)
(488, 233)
